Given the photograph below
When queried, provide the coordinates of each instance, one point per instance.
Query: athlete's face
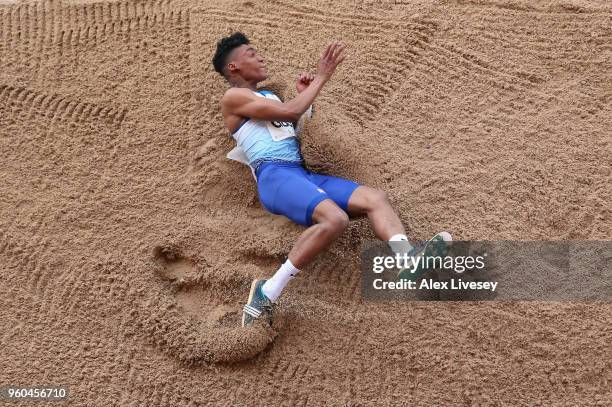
(245, 61)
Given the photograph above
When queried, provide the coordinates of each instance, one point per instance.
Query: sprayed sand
(128, 241)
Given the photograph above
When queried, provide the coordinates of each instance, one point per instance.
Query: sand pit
(128, 240)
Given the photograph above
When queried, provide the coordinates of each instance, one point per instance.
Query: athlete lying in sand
(264, 129)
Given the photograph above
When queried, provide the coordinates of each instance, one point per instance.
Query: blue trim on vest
(243, 122)
(265, 92)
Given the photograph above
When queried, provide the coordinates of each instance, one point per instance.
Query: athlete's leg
(375, 204)
(386, 224)
(329, 223)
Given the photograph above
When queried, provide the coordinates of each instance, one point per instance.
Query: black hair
(224, 47)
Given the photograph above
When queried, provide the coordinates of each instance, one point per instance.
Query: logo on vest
(278, 125)
(280, 130)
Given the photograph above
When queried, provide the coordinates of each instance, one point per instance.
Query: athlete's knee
(340, 220)
(335, 221)
(378, 198)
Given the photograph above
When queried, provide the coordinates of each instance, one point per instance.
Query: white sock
(274, 286)
(402, 246)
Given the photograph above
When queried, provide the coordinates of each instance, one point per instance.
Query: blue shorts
(291, 190)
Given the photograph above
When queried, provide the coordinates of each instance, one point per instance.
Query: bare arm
(243, 102)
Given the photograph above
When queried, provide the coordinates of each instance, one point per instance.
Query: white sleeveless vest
(278, 131)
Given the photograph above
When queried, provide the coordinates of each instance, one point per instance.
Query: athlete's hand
(331, 58)
(303, 81)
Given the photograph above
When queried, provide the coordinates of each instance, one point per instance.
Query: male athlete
(263, 127)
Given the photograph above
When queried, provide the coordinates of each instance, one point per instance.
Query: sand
(128, 241)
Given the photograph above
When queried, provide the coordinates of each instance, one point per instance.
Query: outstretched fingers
(326, 52)
(332, 50)
(337, 52)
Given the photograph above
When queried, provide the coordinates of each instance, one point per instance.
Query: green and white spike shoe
(257, 306)
(436, 246)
